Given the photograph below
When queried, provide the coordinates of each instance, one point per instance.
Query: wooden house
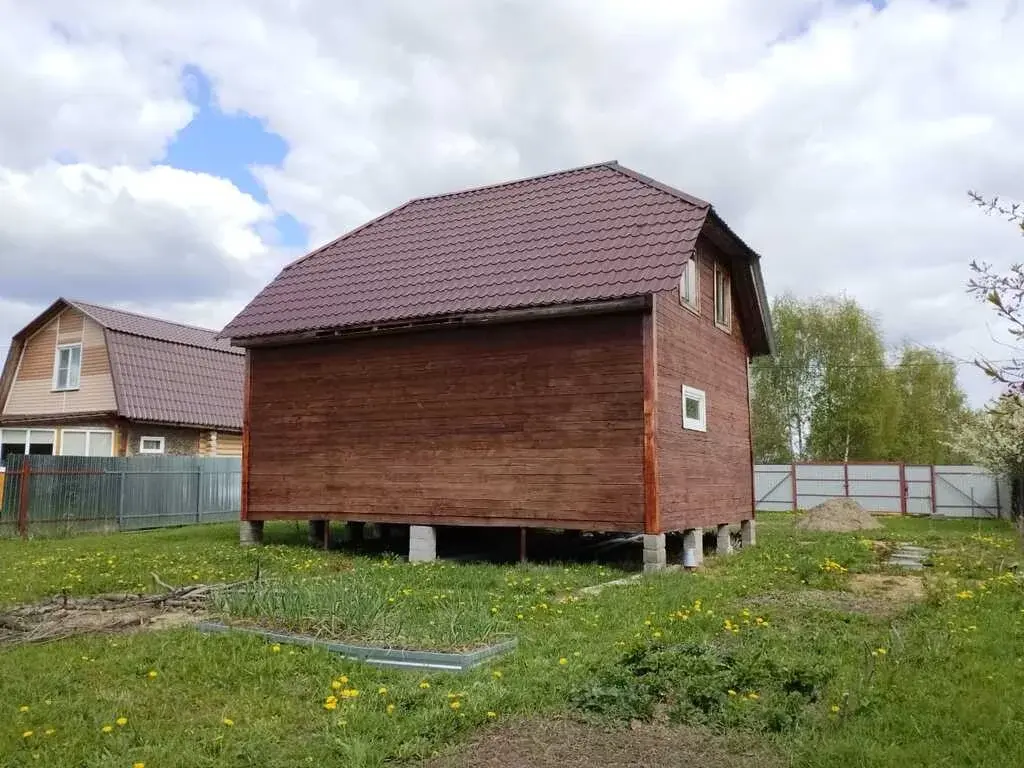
(86, 380)
(567, 351)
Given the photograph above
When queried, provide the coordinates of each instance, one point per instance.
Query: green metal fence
(60, 495)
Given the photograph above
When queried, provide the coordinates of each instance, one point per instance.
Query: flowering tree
(995, 437)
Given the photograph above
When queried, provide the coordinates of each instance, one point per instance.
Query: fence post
(122, 479)
(935, 501)
(199, 490)
(846, 479)
(903, 488)
(792, 483)
(26, 472)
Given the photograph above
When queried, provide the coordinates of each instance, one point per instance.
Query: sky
(171, 157)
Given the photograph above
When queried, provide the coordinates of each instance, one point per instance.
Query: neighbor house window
(689, 295)
(67, 368)
(151, 445)
(86, 442)
(22, 442)
(723, 299)
(695, 409)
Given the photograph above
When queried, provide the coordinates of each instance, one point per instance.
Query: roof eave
(764, 340)
(436, 322)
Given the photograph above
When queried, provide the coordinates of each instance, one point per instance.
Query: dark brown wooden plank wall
(705, 478)
(535, 424)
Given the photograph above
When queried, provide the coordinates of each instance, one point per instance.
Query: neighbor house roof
(582, 235)
(162, 371)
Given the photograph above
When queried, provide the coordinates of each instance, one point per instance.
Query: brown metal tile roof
(174, 383)
(586, 234)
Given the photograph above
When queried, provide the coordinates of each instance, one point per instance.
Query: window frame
(691, 266)
(28, 440)
(142, 445)
(699, 424)
(69, 386)
(725, 294)
(89, 432)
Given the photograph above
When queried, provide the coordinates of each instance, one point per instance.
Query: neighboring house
(86, 380)
(566, 351)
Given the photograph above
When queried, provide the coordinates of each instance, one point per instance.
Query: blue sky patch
(223, 144)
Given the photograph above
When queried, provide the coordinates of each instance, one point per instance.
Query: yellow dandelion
(424, 684)
(336, 684)
(492, 715)
(455, 704)
(275, 648)
(563, 661)
(23, 708)
(107, 728)
(882, 651)
(753, 696)
(834, 708)
(228, 722)
(656, 634)
(731, 692)
(138, 765)
(349, 693)
(152, 674)
(330, 706)
(382, 691)
(27, 734)
(965, 594)
(496, 674)
(390, 708)
(122, 721)
(50, 731)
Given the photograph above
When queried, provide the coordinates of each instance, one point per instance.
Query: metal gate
(915, 489)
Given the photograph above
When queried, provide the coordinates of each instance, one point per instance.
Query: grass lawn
(767, 643)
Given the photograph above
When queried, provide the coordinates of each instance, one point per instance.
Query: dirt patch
(63, 617)
(869, 595)
(898, 589)
(564, 743)
(837, 516)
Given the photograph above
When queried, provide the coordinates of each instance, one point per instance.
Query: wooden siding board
(535, 424)
(705, 478)
(32, 392)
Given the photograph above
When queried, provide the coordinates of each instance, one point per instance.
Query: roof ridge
(78, 303)
(660, 186)
(513, 182)
(84, 307)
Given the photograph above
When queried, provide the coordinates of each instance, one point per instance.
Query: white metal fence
(916, 489)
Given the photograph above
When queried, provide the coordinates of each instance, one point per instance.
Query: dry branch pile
(63, 616)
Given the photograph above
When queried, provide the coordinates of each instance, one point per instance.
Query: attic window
(689, 290)
(67, 368)
(151, 445)
(723, 299)
(695, 409)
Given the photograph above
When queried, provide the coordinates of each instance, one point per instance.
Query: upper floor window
(689, 290)
(723, 299)
(67, 368)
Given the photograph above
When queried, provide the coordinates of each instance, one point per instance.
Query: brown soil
(897, 589)
(563, 743)
(837, 516)
(869, 594)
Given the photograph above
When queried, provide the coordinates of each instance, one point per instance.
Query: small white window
(689, 290)
(723, 299)
(151, 445)
(695, 409)
(67, 368)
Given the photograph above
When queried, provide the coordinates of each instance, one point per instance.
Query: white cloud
(120, 233)
(840, 141)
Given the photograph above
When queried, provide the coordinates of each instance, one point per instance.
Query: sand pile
(837, 516)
